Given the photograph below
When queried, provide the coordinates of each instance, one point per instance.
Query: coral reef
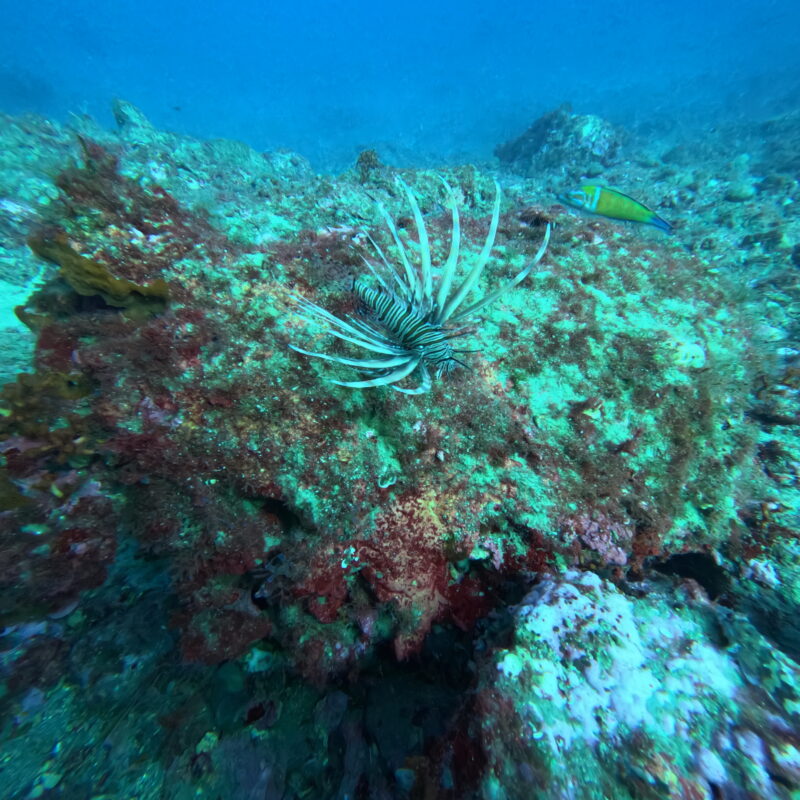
(223, 573)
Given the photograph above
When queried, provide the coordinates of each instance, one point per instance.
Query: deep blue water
(422, 81)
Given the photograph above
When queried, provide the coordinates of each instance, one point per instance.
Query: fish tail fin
(661, 224)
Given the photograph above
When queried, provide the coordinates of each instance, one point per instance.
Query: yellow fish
(611, 203)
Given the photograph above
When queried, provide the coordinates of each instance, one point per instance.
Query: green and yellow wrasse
(611, 203)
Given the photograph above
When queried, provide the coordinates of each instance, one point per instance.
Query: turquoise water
(399, 402)
(440, 81)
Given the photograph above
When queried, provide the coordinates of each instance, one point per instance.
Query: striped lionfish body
(411, 316)
(410, 328)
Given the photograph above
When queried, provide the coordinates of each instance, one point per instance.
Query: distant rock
(739, 191)
(561, 138)
(127, 115)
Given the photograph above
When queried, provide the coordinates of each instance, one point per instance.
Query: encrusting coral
(88, 277)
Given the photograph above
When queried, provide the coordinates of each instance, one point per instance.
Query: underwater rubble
(569, 570)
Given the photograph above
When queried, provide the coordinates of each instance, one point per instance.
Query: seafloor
(570, 570)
